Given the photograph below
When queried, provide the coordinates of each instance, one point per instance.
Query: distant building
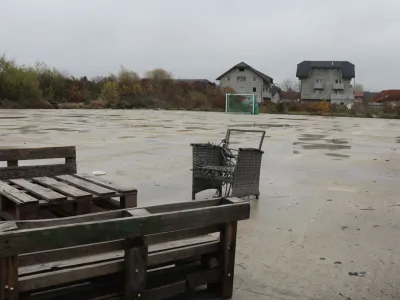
(244, 79)
(358, 96)
(326, 80)
(388, 97)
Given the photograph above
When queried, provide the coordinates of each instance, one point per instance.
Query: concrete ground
(329, 201)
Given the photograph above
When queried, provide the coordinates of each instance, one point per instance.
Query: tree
(359, 87)
(158, 75)
(289, 85)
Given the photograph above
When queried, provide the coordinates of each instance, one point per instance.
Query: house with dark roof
(244, 79)
(326, 80)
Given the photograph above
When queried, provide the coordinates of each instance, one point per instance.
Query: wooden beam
(37, 153)
(31, 240)
(95, 249)
(135, 268)
(36, 171)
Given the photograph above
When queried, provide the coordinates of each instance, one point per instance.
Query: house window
(241, 70)
(318, 92)
(254, 89)
(241, 78)
(242, 89)
(319, 80)
(338, 81)
(228, 78)
(254, 78)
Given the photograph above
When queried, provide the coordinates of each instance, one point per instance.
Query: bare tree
(289, 85)
(158, 74)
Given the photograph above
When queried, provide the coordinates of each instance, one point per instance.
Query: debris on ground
(99, 173)
(328, 200)
(369, 208)
(322, 258)
(347, 298)
(337, 262)
(344, 227)
(358, 274)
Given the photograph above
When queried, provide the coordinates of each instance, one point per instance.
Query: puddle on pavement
(64, 129)
(337, 155)
(324, 146)
(296, 152)
(311, 137)
(336, 141)
(13, 117)
(289, 119)
(197, 128)
(126, 137)
(398, 139)
(267, 125)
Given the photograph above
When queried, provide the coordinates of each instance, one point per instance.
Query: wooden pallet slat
(19, 197)
(106, 184)
(86, 186)
(40, 191)
(37, 153)
(62, 187)
(36, 171)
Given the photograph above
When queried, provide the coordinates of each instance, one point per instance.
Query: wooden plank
(37, 153)
(36, 171)
(128, 201)
(94, 249)
(6, 226)
(135, 268)
(118, 214)
(11, 283)
(116, 265)
(166, 291)
(38, 266)
(227, 259)
(15, 195)
(86, 186)
(61, 187)
(138, 212)
(107, 184)
(39, 191)
(23, 241)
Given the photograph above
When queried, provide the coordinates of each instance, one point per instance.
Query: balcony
(338, 86)
(318, 86)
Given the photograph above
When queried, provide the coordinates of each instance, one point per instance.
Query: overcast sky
(204, 38)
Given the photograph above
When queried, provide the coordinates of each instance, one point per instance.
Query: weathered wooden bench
(144, 253)
(53, 189)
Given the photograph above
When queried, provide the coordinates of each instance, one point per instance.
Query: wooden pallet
(52, 190)
(145, 253)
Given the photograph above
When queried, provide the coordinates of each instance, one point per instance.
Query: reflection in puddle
(269, 125)
(337, 155)
(311, 137)
(398, 139)
(289, 119)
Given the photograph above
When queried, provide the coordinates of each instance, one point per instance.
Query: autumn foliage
(40, 86)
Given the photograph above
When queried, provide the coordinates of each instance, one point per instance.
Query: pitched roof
(387, 95)
(304, 68)
(246, 66)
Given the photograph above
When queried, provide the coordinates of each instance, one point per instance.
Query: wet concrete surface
(329, 201)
